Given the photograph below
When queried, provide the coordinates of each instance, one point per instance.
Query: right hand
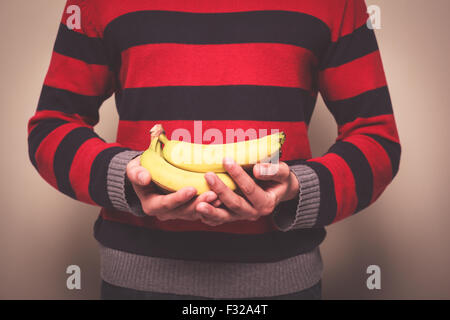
(176, 205)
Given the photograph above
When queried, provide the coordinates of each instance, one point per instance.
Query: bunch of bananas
(181, 164)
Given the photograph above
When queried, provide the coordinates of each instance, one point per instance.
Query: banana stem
(156, 130)
(158, 147)
(163, 138)
(153, 143)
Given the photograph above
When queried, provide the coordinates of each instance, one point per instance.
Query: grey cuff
(119, 189)
(301, 212)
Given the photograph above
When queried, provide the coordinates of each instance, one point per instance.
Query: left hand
(278, 183)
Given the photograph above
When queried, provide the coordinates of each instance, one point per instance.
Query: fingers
(137, 174)
(188, 210)
(228, 197)
(216, 203)
(139, 177)
(208, 196)
(154, 204)
(249, 188)
(278, 172)
(213, 216)
(178, 205)
(184, 205)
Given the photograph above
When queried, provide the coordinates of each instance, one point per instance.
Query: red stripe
(379, 162)
(46, 151)
(296, 145)
(324, 10)
(344, 185)
(77, 76)
(263, 225)
(355, 15)
(353, 78)
(81, 167)
(50, 114)
(383, 126)
(229, 64)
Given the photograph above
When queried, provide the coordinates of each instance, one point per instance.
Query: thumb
(271, 171)
(137, 174)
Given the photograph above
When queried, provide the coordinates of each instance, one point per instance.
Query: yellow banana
(209, 157)
(171, 178)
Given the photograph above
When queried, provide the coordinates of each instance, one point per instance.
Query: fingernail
(210, 179)
(203, 208)
(141, 177)
(191, 192)
(263, 169)
(228, 162)
(211, 197)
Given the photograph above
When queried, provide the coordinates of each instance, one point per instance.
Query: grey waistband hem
(211, 279)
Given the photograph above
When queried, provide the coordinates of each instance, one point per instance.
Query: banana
(171, 178)
(209, 157)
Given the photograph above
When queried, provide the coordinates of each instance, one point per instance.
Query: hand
(176, 205)
(278, 184)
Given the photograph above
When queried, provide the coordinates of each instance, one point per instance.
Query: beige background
(406, 232)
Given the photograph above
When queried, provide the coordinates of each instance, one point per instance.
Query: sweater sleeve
(356, 169)
(63, 146)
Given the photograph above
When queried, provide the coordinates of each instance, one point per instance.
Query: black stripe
(328, 204)
(207, 246)
(79, 46)
(146, 27)
(214, 103)
(393, 149)
(368, 104)
(39, 133)
(309, 108)
(294, 162)
(360, 168)
(70, 103)
(359, 43)
(65, 154)
(98, 176)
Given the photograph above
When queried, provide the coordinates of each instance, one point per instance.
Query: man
(226, 65)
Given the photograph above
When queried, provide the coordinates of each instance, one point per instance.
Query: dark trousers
(112, 292)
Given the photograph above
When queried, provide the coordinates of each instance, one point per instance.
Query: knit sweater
(222, 65)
